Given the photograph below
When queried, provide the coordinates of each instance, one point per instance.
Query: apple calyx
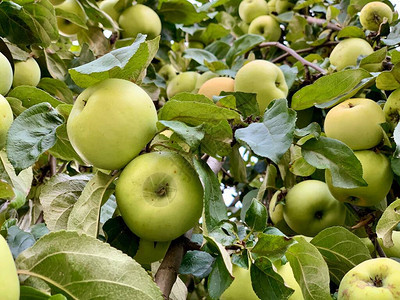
(318, 215)
(162, 190)
(377, 281)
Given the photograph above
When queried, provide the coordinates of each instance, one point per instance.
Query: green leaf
(272, 246)
(389, 80)
(94, 13)
(30, 293)
(256, 215)
(245, 103)
(373, 62)
(55, 65)
(351, 32)
(327, 153)
(191, 135)
(30, 96)
(196, 263)
(341, 249)
(85, 214)
(394, 36)
(310, 270)
(71, 16)
(331, 89)
(63, 149)
(57, 88)
(237, 166)
(273, 137)
(242, 45)
(32, 133)
(199, 55)
(387, 223)
(77, 265)
(19, 240)
(180, 12)
(126, 63)
(219, 279)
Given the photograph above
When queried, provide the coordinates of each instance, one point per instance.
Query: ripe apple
(168, 72)
(392, 109)
(111, 122)
(264, 79)
(276, 215)
(286, 273)
(150, 251)
(310, 207)
(240, 288)
(26, 73)
(376, 172)
(214, 86)
(377, 278)
(345, 53)
(140, 18)
(65, 26)
(159, 196)
(251, 9)
(6, 77)
(395, 250)
(266, 26)
(108, 6)
(9, 282)
(356, 122)
(373, 14)
(6, 116)
(184, 82)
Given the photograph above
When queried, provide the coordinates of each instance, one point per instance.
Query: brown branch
(294, 54)
(323, 22)
(305, 50)
(53, 165)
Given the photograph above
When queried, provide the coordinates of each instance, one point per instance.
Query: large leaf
(30, 96)
(272, 246)
(242, 45)
(180, 12)
(386, 224)
(82, 267)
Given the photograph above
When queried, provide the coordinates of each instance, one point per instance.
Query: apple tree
(175, 149)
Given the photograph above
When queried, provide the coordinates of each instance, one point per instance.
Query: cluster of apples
(110, 124)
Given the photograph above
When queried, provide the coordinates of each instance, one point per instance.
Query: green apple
(9, 282)
(196, 45)
(6, 116)
(377, 278)
(251, 9)
(140, 18)
(286, 273)
(111, 122)
(264, 79)
(266, 26)
(243, 26)
(26, 73)
(276, 215)
(310, 207)
(160, 196)
(241, 287)
(374, 13)
(168, 72)
(345, 53)
(376, 172)
(184, 82)
(66, 27)
(356, 122)
(214, 86)
(393, 251)
(108, 6)
(150, 251)
(6, 77)
(272, 6)
(282, 6)
(392, 109)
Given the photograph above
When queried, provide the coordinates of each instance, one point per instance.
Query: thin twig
(305, 50)
(322, 22)
(53, 165)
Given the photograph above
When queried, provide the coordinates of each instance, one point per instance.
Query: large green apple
(373, 14)
(264, 79)
(374, 279)
(266, 26)
(6, 116)
(392, 109)
(108, 6)
(9, 282)
(345, 53)
(214, 86)
(150, 251)
(356, 122)
(276, 215)
(393, 251)
(241, 287)
(184, 82)
(140, 18)
(26, 73)
(159, 196)
(111, 122)
(286, 273)
(6, 77)
(310, 207)
(251, 9)
(66, 27)
(376, 172)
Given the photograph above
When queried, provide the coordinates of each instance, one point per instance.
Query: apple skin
(56, 2)
(251, 9)
(377, 278)
(275, 212)
(214, 86)
(6, 118)
(264, 79)
(286, 273)
(6, 78)
(26, 73)
(345, 53)
(202, 79)
(160, 196)
(282, 6)
(108, 6)
(140, 18)
(168, 72)
(355, 122)
(241, 287)
(66, 27)
(184, 82)
(395, 250)
(111, 122)
(392, 109)
(266, 26)
(373, 13)
(150, 251)
(9, 282)
(376, 172)
(310, 207)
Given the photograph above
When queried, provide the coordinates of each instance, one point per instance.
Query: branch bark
(322, 22)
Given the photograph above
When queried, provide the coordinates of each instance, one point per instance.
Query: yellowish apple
(6, 77)
(251, 9)
(214, 86)
(184, 82)
(65, 26)
(286, 273)
(276, 215)
(9, 282)
(6, 118)
(267, 26)
(240, 288)
(392, 109)
(395, 250)
(26, 73)
(374, 13)
(150, 251)
(168, 72)
(108, 6)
